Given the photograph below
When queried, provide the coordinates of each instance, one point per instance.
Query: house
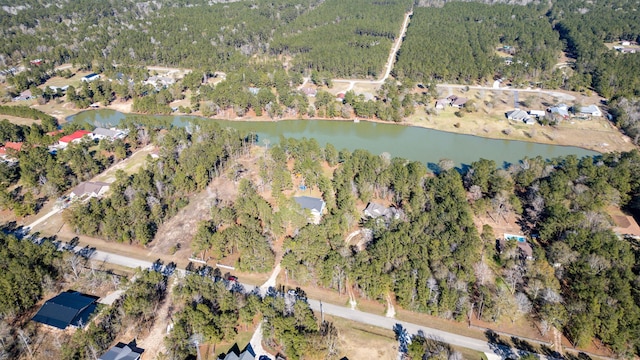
(89, 189)
(74, 137)
(122, 351)
(628, 51)
(457, 102)
(340, 97)
(109, 134)
(375, 210)
(561, 110)
(25, 95)
(36, 62)
(625, 43)
(69, 308)
(160, 82)
(61, 88)
(442, 103)
(524, 247)
(90, 77)
(11, 146)
(309, 91)
(537, 113)
(254, 90)
(235, 353)
(591, 110)
(315, 205)
(517, 115)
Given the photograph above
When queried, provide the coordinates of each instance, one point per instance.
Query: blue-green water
(413, 143)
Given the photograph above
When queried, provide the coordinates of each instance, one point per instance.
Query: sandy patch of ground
(359, 341)
(624, 223)
(18, 120)
(182, 227)
(122, 106)
(154, 342)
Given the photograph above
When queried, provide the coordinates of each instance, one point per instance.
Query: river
(413, 143)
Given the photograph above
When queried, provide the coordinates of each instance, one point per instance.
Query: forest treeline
(204, 35)
(460, 41)
(346, 38)
(580, 278)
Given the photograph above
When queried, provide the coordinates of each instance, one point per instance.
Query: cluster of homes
(558, 112)
(72, 309)
(624, 49)
(373, 210)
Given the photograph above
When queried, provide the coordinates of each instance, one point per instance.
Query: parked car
(232, 278)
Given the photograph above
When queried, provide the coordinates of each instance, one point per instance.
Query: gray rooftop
(311, 203)
(123, 351)
(106, 132)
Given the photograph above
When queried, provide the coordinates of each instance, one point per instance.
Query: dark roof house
(123, 351)
(235, 354)
(68, 308)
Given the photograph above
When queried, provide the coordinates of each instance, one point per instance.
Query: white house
(90, 77)
(110, 134)
(591, 110)
(537, 113)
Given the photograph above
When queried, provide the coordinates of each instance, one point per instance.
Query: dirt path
(154, 342)
(390, 60)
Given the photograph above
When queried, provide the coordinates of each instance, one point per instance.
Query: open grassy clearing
(19, 121)
(130, 165)
(359, 341)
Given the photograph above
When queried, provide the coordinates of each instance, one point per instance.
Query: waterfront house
(122, 351)
(314, 205)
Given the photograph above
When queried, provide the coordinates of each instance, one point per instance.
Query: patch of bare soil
(500, 224)
(182, 227)
(153, 344)
(624, 223)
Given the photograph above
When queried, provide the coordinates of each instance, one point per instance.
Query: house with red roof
(14, 146)
(75, 137)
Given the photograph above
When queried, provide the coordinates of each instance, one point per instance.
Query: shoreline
(432, 124)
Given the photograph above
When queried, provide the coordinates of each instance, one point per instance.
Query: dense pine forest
(460, 42)
(345, 38)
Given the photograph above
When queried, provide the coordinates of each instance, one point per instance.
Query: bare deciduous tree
(483, 273)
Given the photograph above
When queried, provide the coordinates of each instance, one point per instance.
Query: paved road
(560, 95)
(385, 322)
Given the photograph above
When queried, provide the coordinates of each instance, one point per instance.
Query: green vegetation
(140, 203)
(26, 267)
(211, 314)
(347, 38)
(585, 27)
(49, 123)
(459, 43)
(136, 308)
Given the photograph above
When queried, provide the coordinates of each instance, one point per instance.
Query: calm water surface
(414, 143)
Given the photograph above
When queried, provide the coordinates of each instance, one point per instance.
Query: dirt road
(390, 61)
